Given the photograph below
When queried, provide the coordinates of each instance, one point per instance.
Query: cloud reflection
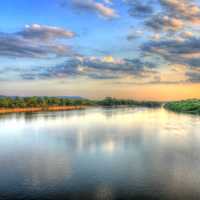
(132, 150)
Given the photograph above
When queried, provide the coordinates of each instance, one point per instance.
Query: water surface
(123, 153)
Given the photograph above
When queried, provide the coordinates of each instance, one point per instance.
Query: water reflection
(100, 154)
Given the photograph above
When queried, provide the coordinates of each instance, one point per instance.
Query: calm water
(122, 153)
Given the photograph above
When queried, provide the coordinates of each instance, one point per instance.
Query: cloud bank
(36, 41)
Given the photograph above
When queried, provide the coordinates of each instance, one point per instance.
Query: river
(100, 153)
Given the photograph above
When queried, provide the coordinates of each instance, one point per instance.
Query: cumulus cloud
(17, 47)
(45, 33)
(166, 15)
(193, 76)
(184, 52)
(101, 9)
(139, 8)
(134, 35)
(96, 68)
(187, 34)
(185, 9)
(166, 23)
(35, 41)
(174, 39)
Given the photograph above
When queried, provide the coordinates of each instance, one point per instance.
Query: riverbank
(36, 104)
(191, 106)
(39, 109)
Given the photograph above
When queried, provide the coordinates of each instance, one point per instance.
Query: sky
(138, 49)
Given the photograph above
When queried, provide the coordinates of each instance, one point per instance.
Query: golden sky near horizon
(91, 89)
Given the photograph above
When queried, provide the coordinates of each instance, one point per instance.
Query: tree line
(25, 102)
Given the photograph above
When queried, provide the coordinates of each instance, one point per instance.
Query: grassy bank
(187, 106)
(39, 109)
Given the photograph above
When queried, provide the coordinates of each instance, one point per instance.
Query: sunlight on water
(100, 154)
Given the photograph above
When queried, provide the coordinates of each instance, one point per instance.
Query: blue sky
(129, 46)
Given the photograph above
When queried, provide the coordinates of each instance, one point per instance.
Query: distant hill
(70, 97)
(2, 96)
(63, 97)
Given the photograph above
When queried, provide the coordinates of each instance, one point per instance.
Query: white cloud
(45, 33)
(100, 8)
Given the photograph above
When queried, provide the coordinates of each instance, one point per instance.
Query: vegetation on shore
(33, 104)
(40, 102)
(45, 102)
(127, 102)
(191, 106)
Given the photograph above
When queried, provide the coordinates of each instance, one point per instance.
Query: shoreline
(182, 112)
(40, 109)
(55, 108)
